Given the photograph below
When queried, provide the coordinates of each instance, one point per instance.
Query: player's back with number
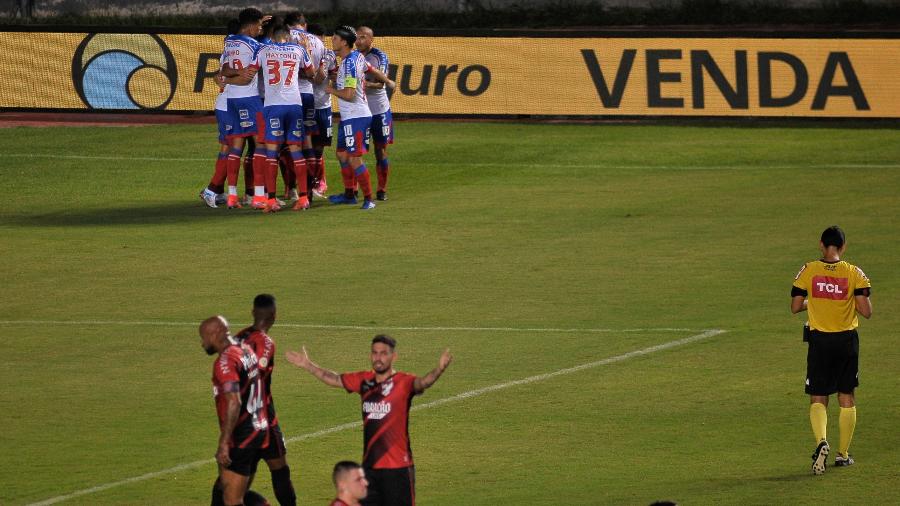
(237, 370)
(281, 63)
(239, 53)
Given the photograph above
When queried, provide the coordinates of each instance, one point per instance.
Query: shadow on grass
(168, 213)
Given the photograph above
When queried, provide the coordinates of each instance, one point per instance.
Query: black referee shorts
(832, 362)
(391, 487)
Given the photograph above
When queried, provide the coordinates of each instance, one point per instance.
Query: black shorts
(244, 460)
(391, 487)
(276, 446)
(832, 362)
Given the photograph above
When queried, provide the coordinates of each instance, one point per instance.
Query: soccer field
(616, 298)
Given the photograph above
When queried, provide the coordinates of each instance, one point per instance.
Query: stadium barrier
(595, 75)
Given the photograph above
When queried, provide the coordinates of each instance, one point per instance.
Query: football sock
(818, 417)
(220, 173)
(364, 181)
(320, 165)
(300, 172)
(847, 422)
(218, 498)
(284, 489)
(382, 167)
(259, 172)
(347, 176)
(248, 173)
(271, 172)
(232, 167)
(286, 164)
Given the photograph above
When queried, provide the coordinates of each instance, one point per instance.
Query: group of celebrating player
(249, 429)
(276, 79)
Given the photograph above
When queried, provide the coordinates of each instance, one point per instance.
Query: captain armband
(349, 82)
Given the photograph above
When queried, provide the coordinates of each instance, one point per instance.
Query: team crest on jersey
(386, 387)
(124, 71)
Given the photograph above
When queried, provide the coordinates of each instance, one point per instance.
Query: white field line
(211, 159)
(459, 397)
(340, 327)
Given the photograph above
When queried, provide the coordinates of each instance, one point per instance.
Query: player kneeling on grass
(356, 119)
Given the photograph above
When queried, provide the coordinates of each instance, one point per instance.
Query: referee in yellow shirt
(833, 291)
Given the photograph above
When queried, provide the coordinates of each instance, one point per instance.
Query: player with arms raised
(386, 397)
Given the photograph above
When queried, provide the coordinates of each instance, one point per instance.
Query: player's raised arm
(301, 360)
(423, 383)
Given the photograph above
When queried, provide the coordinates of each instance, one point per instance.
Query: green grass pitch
(527, 249)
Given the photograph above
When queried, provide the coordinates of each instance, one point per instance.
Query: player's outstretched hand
(445, 359)
(299, 358)
(222, 456)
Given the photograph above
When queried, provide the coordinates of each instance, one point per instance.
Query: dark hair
(385, 339)
(341, 468)
(271, 26)
(348, 33)
(316, 29)
(249, 15)
(234, 26)
(295, 18)
(264, 301)
(833, 236)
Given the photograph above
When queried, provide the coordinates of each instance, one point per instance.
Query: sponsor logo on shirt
(376, 410)
(827, 287)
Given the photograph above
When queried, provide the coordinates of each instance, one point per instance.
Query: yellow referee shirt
(830, 288)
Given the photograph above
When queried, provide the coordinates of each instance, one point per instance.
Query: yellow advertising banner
(761, 77)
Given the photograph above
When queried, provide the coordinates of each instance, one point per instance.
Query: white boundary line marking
(211, 158)
(458, 397)
(341, 327)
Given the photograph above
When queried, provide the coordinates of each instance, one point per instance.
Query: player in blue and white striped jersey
(379, 105)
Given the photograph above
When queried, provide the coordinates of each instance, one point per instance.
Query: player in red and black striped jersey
(350, 483)
(243, 421)
(386, 398)
(257, 338)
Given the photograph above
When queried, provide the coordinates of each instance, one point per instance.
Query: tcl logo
(826, 287)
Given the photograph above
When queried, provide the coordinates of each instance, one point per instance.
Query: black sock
(218, 498)
(284, 489)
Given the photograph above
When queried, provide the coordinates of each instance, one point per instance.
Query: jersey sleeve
(352, 381)
(861, 283)
(383, 64)
(802, 280)
(410, 381)
(305, 60)
(347, 76)
(225, 371)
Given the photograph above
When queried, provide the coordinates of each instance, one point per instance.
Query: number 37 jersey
(280, 67)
